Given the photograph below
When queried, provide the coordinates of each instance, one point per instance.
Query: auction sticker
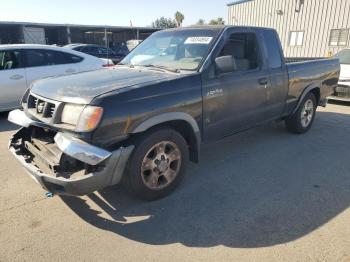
(198, 40)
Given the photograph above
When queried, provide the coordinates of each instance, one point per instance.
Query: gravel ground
(263, 195)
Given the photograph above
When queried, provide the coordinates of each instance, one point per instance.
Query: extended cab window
(244, 49)
(10, 60)
(273, 49)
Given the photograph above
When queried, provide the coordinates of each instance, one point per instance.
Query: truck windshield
(343, 56)
(174, 49)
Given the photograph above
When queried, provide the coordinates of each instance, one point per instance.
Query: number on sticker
(198, 40)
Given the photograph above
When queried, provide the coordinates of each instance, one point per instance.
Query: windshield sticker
(198, 40)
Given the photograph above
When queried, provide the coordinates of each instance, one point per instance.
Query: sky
(109, 12)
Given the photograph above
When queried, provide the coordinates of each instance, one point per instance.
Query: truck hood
(344, 72)
(82, 88)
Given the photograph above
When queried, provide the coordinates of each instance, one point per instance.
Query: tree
(179, 18)
(218, 21)
(201, 22)
(164, 23)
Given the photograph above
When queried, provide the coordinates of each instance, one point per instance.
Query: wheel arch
(184, 123)
(315, 88)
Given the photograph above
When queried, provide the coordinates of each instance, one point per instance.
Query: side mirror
(225, 64)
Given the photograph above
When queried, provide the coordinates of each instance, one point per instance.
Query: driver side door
(235, 101)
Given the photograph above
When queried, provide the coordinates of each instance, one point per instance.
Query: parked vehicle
(98, 51)
(121, 48)
(342, 91)
(20, 65)
(132, 44)
(142, 121)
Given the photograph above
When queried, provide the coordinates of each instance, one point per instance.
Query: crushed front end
(62, 163)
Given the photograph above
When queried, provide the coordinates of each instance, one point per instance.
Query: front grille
(42, 108)
(342, 91)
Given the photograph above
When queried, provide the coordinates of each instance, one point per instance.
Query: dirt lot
(262, 195)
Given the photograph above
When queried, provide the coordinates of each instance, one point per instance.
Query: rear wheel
(302, 120)
(157, 164)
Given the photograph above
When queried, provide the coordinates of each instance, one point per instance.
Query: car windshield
(173, 49)
(343, 56)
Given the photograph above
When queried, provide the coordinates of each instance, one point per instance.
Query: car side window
(61, 58)
(39, 57)
(244, 49)
(83, 49)
(102, 51)
(36, 57)
(74, 59)
(93, 49)
(10, 60)
(79, 48)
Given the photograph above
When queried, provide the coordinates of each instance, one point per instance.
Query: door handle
(70, 70)
(263, 81)
(16, 77)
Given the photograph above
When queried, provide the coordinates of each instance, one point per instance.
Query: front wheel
(157, 164)
(301, 121)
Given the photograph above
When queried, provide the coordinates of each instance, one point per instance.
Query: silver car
(20, 65)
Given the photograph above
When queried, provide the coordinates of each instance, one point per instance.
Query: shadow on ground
(4, 124)
(339, 102)
(257, 189)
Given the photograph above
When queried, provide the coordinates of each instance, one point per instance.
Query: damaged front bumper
(99, 168)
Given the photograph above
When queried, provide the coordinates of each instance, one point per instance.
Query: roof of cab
(204, 27)
(218, 27)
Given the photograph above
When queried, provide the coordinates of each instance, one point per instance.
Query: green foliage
(218, 21)
(164, 23)
(201, 22)
(179, 18)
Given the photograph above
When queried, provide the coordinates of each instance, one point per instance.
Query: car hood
(83, 87)
(344, 72)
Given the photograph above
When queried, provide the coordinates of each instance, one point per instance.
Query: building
(62, 34)
(307, 28)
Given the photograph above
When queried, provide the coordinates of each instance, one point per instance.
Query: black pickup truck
(143, 120)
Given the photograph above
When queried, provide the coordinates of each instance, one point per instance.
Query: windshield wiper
(162, 67)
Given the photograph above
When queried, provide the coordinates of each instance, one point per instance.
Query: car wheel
(301, 121)
(157, 164)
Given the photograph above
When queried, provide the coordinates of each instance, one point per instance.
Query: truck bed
(323, 73)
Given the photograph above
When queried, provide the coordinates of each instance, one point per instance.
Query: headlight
(70, 114)
(25, 98)
(84, 118)
(89, 118)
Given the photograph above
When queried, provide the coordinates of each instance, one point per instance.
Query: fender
(305, 92)
(172, 116)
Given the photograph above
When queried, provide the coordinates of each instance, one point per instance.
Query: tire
(158, 164)
(301, 121)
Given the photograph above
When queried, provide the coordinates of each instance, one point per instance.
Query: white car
(20, 65)
(342, 91)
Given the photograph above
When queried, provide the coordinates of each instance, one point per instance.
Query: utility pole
(106, 38)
